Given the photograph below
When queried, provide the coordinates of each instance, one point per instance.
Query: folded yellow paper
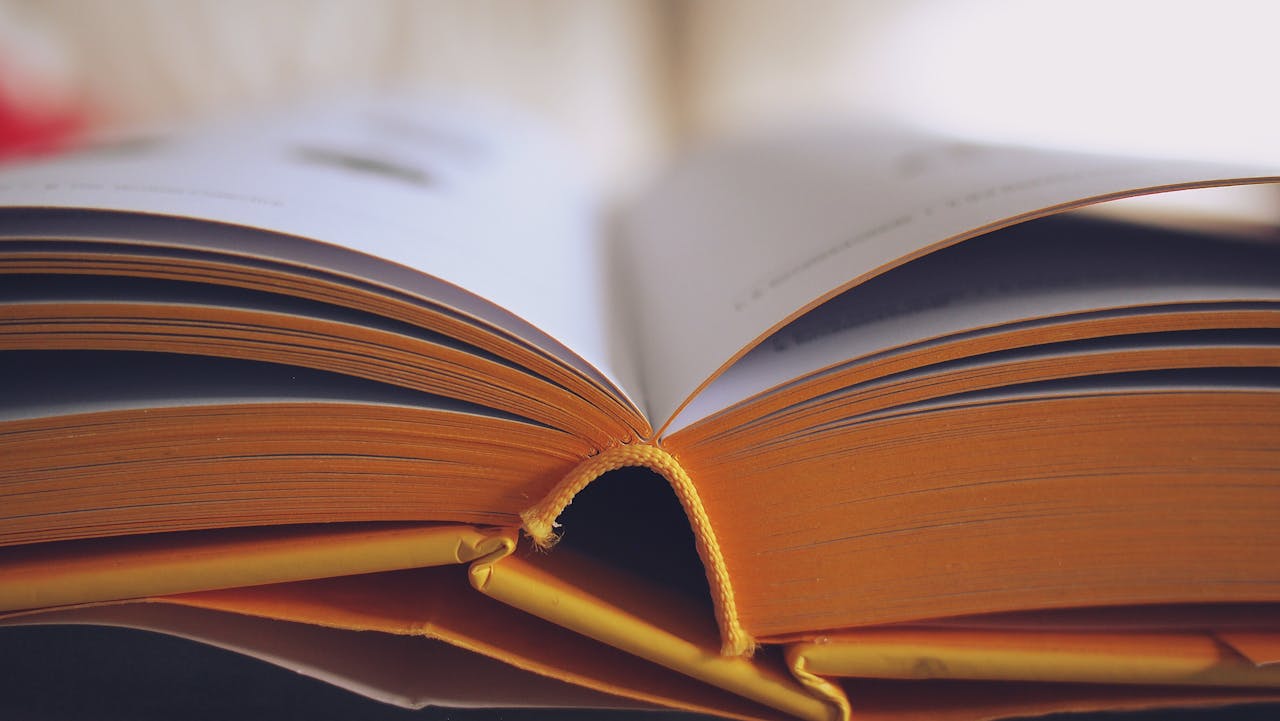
(113, 569)
(1183, 659)
(604, 606)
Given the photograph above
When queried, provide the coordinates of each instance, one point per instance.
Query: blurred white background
(633, 81)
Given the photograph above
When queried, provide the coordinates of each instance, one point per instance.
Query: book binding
(539, 522)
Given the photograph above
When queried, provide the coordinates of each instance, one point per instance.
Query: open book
(946, 442)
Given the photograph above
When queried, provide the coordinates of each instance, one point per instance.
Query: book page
(1053, 268)
(482, 210)
(67, 383)
(744, 238)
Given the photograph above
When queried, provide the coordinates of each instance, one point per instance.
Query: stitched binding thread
(540, 520)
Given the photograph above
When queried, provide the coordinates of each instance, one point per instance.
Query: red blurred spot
(26, 132)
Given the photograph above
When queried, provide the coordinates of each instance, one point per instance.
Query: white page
(740, 240)
(996, 280)
(468, 198)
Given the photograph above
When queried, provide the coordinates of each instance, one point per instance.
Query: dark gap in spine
(631, 519)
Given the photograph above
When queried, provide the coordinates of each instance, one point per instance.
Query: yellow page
(403, 671)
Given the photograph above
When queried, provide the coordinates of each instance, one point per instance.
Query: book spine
(539, 523)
